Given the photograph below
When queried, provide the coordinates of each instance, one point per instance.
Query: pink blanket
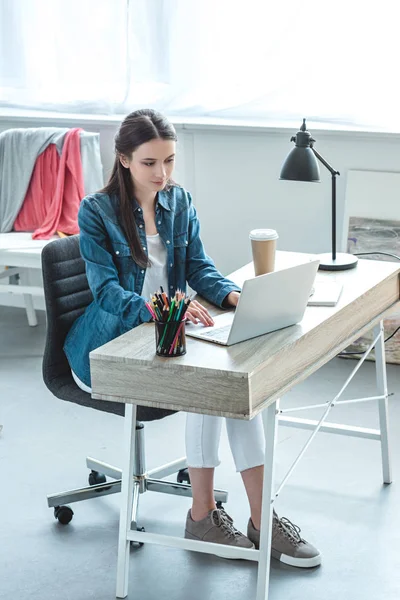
(55, 191)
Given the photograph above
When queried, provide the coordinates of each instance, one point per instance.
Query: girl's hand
(233, 298)
(196, 312)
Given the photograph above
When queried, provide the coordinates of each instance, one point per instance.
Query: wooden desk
(242, 380)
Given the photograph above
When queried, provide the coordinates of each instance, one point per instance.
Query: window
(274, 61)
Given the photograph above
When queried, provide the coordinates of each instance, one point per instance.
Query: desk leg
(30, 310)
(270, 431)
(28, 300)
(126, 500)
(381, 384)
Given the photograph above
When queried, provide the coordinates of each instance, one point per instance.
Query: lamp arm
(324, 162)
(333, 173)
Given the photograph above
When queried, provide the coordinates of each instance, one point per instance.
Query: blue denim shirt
(116, 280)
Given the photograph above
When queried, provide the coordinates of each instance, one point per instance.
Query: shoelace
(223, 520)
(225, 514)
(290, 530)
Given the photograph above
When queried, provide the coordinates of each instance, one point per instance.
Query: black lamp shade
(300, 165)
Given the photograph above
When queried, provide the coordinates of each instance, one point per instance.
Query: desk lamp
(301, 165)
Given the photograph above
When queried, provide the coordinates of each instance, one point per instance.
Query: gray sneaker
(287, 544)
(216, 527)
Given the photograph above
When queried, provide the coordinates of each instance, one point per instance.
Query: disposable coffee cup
(263, 246)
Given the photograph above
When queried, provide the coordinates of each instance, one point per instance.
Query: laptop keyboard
(221, 333)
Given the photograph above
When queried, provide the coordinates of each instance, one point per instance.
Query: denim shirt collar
(162, 199)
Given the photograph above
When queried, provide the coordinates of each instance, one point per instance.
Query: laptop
(267, 303)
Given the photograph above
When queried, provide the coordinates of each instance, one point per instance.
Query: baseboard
(31, 277)
(18, 301)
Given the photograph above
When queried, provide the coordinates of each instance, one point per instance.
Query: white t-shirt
(157, 274)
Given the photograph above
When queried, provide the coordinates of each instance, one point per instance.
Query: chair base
(143, 481)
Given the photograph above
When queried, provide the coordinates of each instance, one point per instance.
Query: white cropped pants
(203, 433)
(202, 436)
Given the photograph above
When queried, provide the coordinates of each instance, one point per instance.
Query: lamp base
(341, 262)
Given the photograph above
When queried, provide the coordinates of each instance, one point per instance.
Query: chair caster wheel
(95, 478)
(137, 545)
(183, 476)
(64, 514)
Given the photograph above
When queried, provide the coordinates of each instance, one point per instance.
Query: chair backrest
(67, 294)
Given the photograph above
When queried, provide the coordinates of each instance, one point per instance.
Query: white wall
(233, 174)
(237, 188)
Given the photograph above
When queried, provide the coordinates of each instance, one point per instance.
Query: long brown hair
(137, 128)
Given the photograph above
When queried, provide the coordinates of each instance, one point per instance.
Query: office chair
(67, 294)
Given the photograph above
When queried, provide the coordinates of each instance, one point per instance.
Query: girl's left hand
(233, 298)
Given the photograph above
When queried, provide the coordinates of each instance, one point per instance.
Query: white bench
(19, 253)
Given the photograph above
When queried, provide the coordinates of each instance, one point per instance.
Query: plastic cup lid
(263, 234)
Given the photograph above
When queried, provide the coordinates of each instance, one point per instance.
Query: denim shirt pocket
(180, 247)
(123, 257)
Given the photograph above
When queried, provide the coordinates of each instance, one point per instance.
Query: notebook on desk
(325, 293)
(267, 303)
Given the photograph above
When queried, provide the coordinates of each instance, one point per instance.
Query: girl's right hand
(197, 313)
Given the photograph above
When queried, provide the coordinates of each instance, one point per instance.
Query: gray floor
(335, 495)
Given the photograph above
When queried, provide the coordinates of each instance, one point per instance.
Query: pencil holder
(170, 338)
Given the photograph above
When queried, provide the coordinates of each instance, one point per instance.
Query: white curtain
(260, 59)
